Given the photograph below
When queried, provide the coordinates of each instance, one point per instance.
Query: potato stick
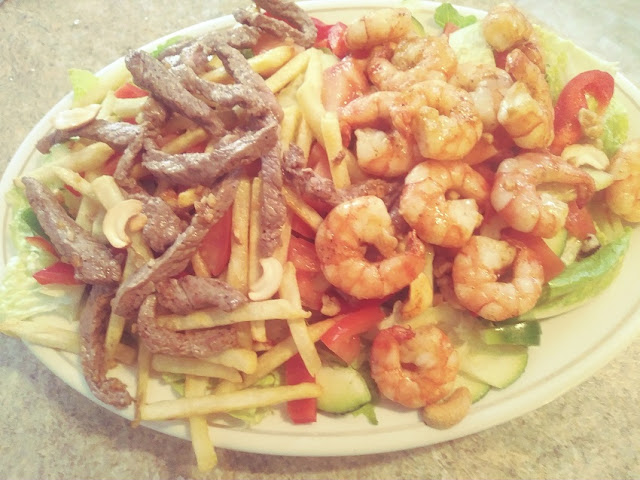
(40, 333)
(91, 157)
(106, 107)
(335, 152)
(301, 208)
(287, 96)
(228, 402)
(214, 317)
(144, 370)
(206, 458)
(188, 197)
(74, 180)
(276, 356)
(327, 60)
(242, 359)
(265, 63)
(304, 139)
(289, 125)
(107, 191)
(288, 72)
(199, 267)
(257, 327)
(187, 140)
(238, 269)
(128, 107)
(87, 213)
(309, 95)
(115, 328)
(297, 326)
(193, 366)
(356, 174)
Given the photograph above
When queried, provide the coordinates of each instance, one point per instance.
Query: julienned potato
(470, 161)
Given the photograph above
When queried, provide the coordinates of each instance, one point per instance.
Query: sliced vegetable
(551, 263)
(496, 365)
(341, 83)
(579, 222)
(303, 410)
(215, 248)
(302, 253)
(447, 13)
(477, 388)
(43, 244)
(343, 389)
(59, 273)
(521, 333)
(129, 90)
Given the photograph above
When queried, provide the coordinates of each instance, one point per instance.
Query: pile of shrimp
(470, 145)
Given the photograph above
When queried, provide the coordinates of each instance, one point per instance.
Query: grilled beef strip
(273, 211)
(94, 319)
(92, 261)
(163, 225)
(196, 343)
(174, 260)
(118, 135)
(295, 24)
(185, 294)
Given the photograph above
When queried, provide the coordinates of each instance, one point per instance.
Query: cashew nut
(76, 117)
(451, 411)
(116, 219)
(267, 285)
(580, 155)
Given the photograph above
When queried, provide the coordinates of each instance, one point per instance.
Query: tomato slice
(336, 39)
(551, 263)
(43, 244)
(129, 90)
(313, 286)
(59, 273)
(302, 253)
(343, 82)
(301, 227)
(579, 222)
(215, 248)
(340, 337)
(303, 410)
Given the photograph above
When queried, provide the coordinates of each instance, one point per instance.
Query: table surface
(51, 431)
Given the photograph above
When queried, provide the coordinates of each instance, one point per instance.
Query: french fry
(265, 63)
(193, 366)
(289, 125)
(288, 72)
(188, 197)
(282, 251)
(214, 317)
(242, 359)
(74, 180)
(87, 213)
(276, 356)
(206, 457)
(332, 137)
(144, 370)
(309, 95)
(301, 208)
(128, 107)
(258, 330)
(304, 138)
(228, 402)
(107, 191)
(199, 267)
(187, 140)
(297, 326)
(287, 96)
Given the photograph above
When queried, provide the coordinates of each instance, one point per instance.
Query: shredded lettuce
(616, 127)
(447, 13)
(163, 46)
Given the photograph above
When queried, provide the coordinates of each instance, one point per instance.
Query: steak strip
(118, 135)
(163, 226)
(273, 211)
(186, 294)
(197, 343)
(92, 261)
(94, 320)
(174, 260)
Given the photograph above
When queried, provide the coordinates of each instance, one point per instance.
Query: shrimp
(415, 59)
(476, 278)
(623, 195)
(487, 86)
(413, 367)
(342, 242)
(383, 151)
(444, 121)
(438, 220)
(505, 26)
(516, 199)
(526, 112)
(378, 27)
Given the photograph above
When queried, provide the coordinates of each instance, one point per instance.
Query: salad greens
(447, 13)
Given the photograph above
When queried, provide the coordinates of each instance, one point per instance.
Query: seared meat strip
(303, 32)
(94, 320)
(163, 225)
(151, 74)
(92, 261)
(118, 135)
(174, 260)
(191, 169)
(306, 182)
(196, 343)
(273, 211)
(185, 294)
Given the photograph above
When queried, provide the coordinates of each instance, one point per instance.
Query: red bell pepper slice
(43, 244)
(301, 227)
(302, 253)
(129, 90)
(579, 222)
(551, 263)
(215, 248)
(339, 338)
(336, 39)
(303, 410)
(313, 286)
(573, 98)
(59, 273)
(323, 33)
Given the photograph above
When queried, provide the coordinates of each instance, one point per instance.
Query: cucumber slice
(522, 333)
(344, 389)
(477, 388)
(497, 365)
(557, 242)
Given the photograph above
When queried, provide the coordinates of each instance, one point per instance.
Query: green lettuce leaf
(447, 13)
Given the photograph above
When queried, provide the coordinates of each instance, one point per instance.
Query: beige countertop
(48, 430)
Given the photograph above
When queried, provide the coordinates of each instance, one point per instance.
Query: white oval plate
(573, 346)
